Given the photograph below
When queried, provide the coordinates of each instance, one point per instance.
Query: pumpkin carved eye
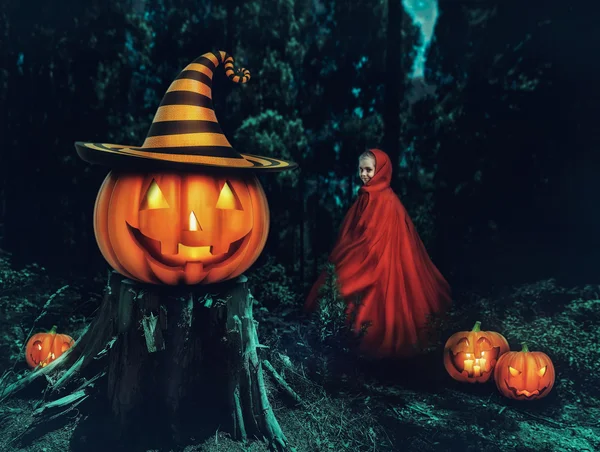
(514, 372)
(542, 371)
(484, 340)
(228, 200)
(154, 198)
(464, 341)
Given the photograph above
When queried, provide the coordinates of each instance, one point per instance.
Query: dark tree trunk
(19, 165)
(177, 360)
(316, 239)
(302, 219)
(351, 177)
(394, 81)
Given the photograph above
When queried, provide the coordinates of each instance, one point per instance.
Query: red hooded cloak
(380, 257)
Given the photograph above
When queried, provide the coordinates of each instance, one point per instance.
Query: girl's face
(366, 169)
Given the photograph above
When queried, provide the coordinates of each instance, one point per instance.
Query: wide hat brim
(185, 133)
(131, 157)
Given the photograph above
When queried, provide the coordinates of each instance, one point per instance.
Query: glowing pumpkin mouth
(51, 357)
(35, 360)
(491, 356)
(525, 392)
(201, 254)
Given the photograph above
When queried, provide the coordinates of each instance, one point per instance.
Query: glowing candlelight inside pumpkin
(193, 222)
(482, 363)
(464, 346)
(476, 370)
(469, 366)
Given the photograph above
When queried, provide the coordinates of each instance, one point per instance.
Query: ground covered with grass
(346, 403)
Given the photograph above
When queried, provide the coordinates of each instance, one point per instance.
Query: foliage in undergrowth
(16, 307)
(570, 337)
(31, 302)
(332, 320)
(326, 422)
(327, 337)
(271, 286)
(11, 278)
(330, 346)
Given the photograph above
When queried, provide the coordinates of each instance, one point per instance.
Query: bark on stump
(174, 353)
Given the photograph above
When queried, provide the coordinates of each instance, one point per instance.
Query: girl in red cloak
(380, 257)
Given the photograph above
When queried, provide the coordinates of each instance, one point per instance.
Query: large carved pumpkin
(181, 228)
(43, 348)
(524, 375)
(470, 356)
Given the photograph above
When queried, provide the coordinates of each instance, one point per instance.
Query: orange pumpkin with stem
(470, 356)
(43, 348)
(524, 375)
(181, 227)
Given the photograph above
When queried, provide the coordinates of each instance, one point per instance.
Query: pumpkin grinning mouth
(38, 362)
(494, 351)
(195, 253)
(524, 392)
(34, 360)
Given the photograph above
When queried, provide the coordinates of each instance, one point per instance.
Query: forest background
(496, 150)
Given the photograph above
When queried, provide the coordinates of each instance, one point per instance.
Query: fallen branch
(30, 377)
(281, 381)
(63, 401)
(422, 411)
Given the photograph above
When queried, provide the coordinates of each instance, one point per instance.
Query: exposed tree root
(160, 347)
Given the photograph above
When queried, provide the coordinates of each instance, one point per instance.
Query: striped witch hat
(185, 131)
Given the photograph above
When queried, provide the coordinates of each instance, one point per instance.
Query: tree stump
(174, 357)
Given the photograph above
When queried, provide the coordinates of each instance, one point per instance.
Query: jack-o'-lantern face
(470, 356)
(175, 237)
(174, 228)
(524, 375)
(43, 348)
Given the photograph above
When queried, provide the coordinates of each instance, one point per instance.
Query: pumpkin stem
(525, 348)
(53, 330)
(477, 327)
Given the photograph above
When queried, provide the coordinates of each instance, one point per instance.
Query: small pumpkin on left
(43, 348)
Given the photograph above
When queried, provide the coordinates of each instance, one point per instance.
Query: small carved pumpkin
(470, 356)
(43, 348)
(524, 375)
(181, 228)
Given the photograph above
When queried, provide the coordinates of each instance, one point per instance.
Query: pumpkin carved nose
(193, 224)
